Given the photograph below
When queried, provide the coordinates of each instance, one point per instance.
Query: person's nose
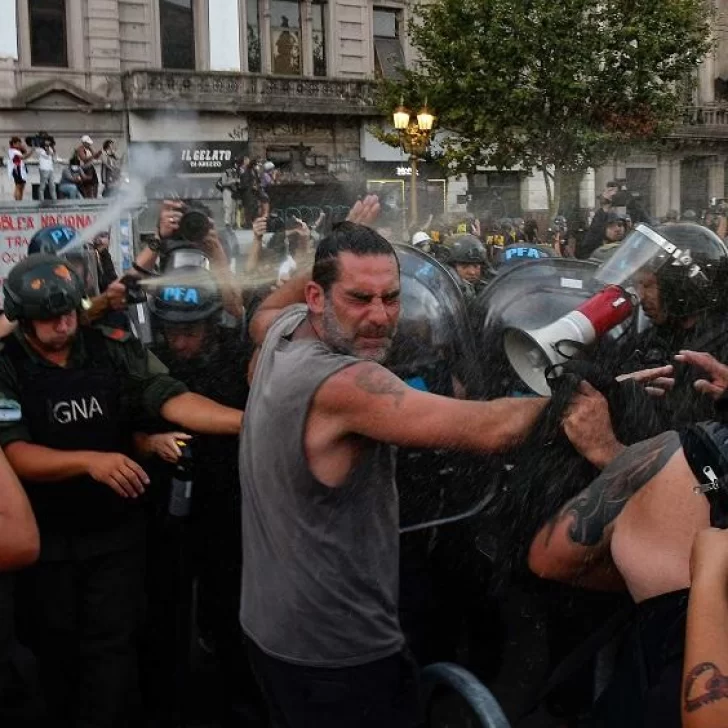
(63, 325)
(378, 312)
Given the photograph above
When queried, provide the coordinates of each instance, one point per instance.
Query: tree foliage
(551, 84)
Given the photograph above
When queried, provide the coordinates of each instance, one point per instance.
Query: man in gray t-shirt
(320, 511)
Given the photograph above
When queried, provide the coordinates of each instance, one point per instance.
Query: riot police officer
(686, 304)
(212, 360)
(468, 259)
(80, 389)
(106, 294)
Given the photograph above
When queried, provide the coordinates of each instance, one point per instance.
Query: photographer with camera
(17, 171)
(185, 226)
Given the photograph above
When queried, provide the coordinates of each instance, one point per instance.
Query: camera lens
(194, 225)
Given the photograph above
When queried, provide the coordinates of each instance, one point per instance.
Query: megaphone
(530, 353)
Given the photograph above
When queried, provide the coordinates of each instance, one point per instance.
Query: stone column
(306, 37)
(716, 177)
(675, 195)
(662, 187)
(587, 190)
(706, 80)
(266, 60)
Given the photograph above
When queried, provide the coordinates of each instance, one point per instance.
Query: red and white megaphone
(530, 353)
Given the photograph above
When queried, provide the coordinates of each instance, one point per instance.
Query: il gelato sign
(214, 159)
(190, 157)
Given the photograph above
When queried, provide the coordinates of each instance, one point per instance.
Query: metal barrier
(480, 700)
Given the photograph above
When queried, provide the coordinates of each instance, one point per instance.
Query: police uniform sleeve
(148, 379)
(10, 390)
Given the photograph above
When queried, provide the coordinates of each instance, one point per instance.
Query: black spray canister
(180, 495)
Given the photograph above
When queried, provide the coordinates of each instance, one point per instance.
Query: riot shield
(528, 296)
(517, 253)
(434, 331)
(433, 351)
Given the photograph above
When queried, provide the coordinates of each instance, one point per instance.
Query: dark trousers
(380, 694)
(80, 617)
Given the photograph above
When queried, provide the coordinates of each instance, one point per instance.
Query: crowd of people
(236, 475)
(79, 177)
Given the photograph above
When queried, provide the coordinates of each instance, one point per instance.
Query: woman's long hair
(547, 470)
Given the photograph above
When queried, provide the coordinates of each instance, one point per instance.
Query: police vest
(74, 409)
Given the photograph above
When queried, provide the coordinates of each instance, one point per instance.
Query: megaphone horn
(530, 353)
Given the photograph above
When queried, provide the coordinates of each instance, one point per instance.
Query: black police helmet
(466, 249)
(51, 239)
(682, 292)
(189, 295)
(42, 287)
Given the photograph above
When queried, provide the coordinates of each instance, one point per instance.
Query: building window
(254, 50)
(388, 53)
(48, 45)
(318, 37)
(177, 33)
(285, 37)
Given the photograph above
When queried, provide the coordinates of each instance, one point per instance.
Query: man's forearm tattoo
(597, 506)
(715, 686)
(374, 379)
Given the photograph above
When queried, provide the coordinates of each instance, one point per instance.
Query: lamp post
(414, 138)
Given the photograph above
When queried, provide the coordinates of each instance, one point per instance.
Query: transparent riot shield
(433, 351)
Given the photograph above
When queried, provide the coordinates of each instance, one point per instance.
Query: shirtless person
(633, 528)
(320, 510)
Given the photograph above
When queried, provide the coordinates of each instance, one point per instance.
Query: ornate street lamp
(414, 138)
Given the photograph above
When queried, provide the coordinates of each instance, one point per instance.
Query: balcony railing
(247, 92)
(703, 122)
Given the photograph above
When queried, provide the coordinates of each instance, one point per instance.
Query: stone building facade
(287, 80)
(291, 81)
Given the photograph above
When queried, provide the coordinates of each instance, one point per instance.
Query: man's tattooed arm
(596, 507)
(374, 379)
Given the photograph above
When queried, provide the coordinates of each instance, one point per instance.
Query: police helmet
(188, 295)
(466, 249)
(689, 261)
(52, 239)
(55, 240)
(683, 293)
(422, 240)
(42, 287)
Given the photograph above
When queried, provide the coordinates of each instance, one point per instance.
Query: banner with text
(18, 225)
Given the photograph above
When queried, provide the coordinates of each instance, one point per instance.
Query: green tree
(556, 85)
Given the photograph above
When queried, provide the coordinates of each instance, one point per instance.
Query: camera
(276, 223)
(40, 140)
(195, 222)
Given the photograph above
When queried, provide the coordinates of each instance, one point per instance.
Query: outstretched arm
(705, 674)
(367, 399)
(574, 547)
